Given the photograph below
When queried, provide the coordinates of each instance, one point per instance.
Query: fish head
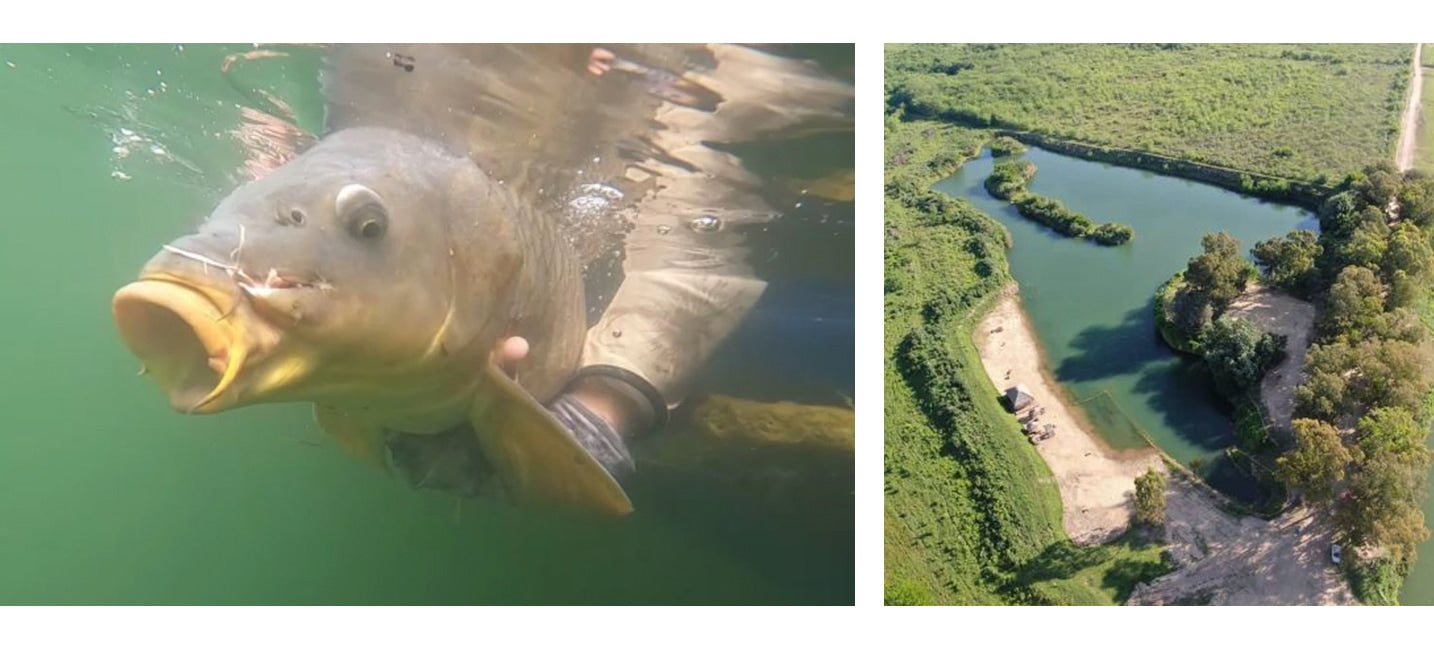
(332, 278)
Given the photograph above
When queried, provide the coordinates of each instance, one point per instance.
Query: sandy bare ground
(1409, 126)
(1221, 558)
(1280, 313)
(1096, 483)
(1225, 560)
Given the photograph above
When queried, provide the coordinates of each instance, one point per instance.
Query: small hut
(1018, 399)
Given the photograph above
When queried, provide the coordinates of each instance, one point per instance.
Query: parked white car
(1334, 553)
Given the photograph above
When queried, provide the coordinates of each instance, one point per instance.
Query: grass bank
(1302, 112)
(972, 514)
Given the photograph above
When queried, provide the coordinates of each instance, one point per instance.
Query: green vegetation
(1239, 354)
(1318, 461)
(1307, 112)
(1189, 302)
(1424, 139)
(1288, 262)
(1112, 234)
(1364, 405)
(1007, 146)
(1190, 317)
(1054, 214)
(972, 515)
(1150, 500)
(1008, 180)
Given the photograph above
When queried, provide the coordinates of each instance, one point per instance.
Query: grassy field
(1306, 112)
(1424, 140)
(972, 512)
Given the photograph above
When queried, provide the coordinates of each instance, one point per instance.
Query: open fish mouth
(179, 332)
(196, 336)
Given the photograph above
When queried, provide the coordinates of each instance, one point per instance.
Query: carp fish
(377, 274)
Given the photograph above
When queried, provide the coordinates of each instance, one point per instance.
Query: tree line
(1363, 409)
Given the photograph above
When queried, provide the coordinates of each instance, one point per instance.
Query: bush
(1007, 146)
(1054, 214)
(1010, 178)
(1150, 499)
(1112, 234)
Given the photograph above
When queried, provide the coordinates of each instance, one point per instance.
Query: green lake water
(1091, 306)
(109, 497)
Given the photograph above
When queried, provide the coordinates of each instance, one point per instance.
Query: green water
(108, 497)
(1091, 306)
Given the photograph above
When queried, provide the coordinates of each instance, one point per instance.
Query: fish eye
(371, 227)
(361, 211)
(297, 217)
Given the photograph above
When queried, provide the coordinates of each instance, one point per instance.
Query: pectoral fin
(537, 460)
(360, 439)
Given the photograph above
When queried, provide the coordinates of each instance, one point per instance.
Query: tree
(1340, 214)
(1356, 299)
(1238, 354)
(1378, 183)
(1288, 262)
(1220, 273)
(1384, 495)
(1318, 461)
(1390, 373)
(1365, 245)
(1150, 499)
(1404, 292)
(1416, 199)
(1409, 252)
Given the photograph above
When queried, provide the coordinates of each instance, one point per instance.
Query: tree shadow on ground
(1126, 573)
(1064, 560)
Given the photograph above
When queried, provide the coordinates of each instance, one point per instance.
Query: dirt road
(1409, 126)
(1280, 313)
(1225, 560)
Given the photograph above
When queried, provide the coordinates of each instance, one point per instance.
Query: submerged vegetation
(972, 513)
(1305, 112)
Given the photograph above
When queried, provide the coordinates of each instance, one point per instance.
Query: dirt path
(1280, 313)
(1095, 482)
(1222, 558)
(1409, 126)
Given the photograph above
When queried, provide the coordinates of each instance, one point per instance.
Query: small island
(1009, 180)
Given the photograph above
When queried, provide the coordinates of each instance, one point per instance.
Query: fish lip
(179, 329)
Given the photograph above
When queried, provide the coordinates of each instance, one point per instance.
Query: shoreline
(1221, 559)
(1096, 481)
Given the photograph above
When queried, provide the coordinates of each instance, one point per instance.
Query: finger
(510, 352)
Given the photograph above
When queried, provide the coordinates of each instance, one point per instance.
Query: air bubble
(705, 224)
